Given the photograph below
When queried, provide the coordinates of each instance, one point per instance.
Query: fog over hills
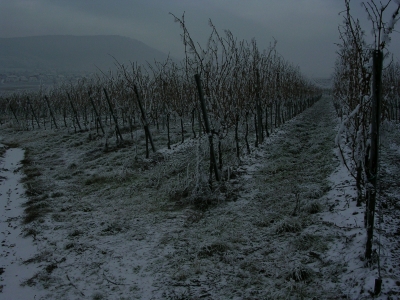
(73, 53)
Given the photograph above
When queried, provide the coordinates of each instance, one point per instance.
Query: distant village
(37, 77)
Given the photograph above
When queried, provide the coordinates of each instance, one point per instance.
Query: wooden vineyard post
(114, 117)
(13, 112)
(278, 102)
(246, 135)
(96, 112)
(146, 124)
(213, 161)
(75, 113)
(256, 131)
(266, 120)
(51, 112)
(237, 135)
(373, 162)
(168, 133)
(33, 113)
(259, 111)
(193, 120)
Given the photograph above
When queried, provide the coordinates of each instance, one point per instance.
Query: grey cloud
(306, 30)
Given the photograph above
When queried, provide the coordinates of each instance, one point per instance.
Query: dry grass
(288, 224)
(35, 212)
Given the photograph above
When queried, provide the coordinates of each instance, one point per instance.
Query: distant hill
(73, 53)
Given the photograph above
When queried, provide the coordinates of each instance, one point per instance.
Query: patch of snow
(15, 249)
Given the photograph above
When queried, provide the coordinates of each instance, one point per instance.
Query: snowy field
(106, 223)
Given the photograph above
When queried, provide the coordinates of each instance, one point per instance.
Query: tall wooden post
(51, 112)
(259, 111)
(13, 111)
(213, 160)
(33, 113)
(373, 158)
(75, 112)
(145, 123)
(119, 135)
(96, 112)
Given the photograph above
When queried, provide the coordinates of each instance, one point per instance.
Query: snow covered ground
(109, 224)
(15, 249)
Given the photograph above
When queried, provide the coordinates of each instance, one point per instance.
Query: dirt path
(294, 232)
(388, 223)
(267, 243)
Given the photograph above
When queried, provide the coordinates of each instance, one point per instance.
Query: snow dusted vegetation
(100, 222)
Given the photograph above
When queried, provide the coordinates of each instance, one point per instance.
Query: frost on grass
(288, 224)
(300, 272)
(128, 226)
(308, 241)
(213, 249)
(312, 207)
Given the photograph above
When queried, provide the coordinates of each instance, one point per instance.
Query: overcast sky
(306, 30)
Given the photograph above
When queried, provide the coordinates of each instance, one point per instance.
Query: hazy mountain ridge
(73, 53)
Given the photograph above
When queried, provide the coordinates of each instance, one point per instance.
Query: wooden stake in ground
(259, 122)
(213, 161)
(115, 118)
(95, 111)
(75, 112)
(51, 112)
(33, 112)
(145, 123)
(13, 112)
(373, 163)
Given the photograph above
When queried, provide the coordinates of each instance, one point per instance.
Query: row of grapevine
(366, 91)
(391, 92)
(352, 95)
(248, 93)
